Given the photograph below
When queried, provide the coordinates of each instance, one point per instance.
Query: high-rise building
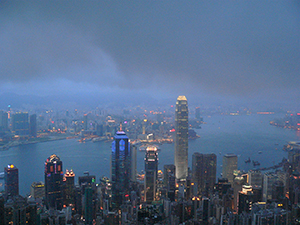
(18, 210)
(197, 113)
(204, 170)
(268, 182)
(181, 138)
(120, 168)
(133, 162)
(37, 190)
(255, 178)
(170, 181)
(20, 124)
(88, 205)
(11, 178)
(85, 121)
(32, 125)
(229, 165)
(69, 190)
(245, 199)
(151, 168)
(3, 121)
(54, 182)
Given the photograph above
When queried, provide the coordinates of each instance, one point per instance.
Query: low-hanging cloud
(228, 48)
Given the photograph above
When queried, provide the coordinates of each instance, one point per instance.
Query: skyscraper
(54, 182)
(151, 168)
(197, 113)
(170, 181)
(181, 138)
(3, 121)
(11, 178)
(133, 162)
(88, 205)
(69, 189)
(32, 125)
(120, 168)
(204, 169)
(229, 165)
(20, 123)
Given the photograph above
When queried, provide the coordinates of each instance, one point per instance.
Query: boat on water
(248, 160)
(255, 163)
(259, 152)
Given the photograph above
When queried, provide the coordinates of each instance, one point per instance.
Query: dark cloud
(232, 48)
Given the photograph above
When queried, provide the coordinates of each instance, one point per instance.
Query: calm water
(242, 135)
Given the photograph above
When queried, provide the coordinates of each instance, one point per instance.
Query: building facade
(20, 125)
(120, 168)
(151, 168)
(11, 178)
(181, 138)
(54, 182)
(204, 170)
(229, 165)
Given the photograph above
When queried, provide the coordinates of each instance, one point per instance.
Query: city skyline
(91, 86)
(128, 200)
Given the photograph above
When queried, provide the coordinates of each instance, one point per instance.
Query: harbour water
(245, 135)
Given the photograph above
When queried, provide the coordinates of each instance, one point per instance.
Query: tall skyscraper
(133, 162)
(181, 138)
(69, 189)
(204, 170)
(229, 165)
(54, 182)
(170, 181)
(88, 205)
(11, 178)
(151, 168)
(120, 168)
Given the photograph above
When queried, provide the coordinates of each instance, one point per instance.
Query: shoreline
(11, 144)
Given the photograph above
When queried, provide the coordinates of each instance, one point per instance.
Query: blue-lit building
(54, 182)
(120, 168)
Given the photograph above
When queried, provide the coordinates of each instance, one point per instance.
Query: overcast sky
(248, 50)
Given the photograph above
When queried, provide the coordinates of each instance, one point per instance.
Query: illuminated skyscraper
(120, 168)
(11, 178)
(54, 182)
(69, 189)
(181, 138)
(229, 165)
(151, 168)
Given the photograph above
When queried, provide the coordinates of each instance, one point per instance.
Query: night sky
(231, 50)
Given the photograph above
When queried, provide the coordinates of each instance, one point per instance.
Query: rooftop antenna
(120, 126)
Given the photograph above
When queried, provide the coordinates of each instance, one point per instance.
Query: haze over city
(149, 112)
(220, 51)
